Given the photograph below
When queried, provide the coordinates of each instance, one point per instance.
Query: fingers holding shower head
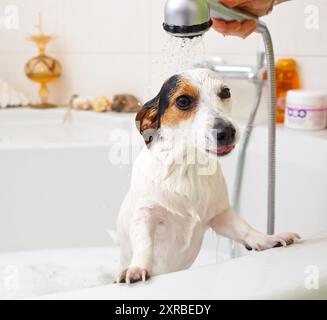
(187, 18)
(192, 18)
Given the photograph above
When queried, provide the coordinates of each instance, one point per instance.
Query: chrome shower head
(187, 18)
(192, 18)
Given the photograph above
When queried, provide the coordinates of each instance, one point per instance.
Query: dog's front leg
(230, 225)
(141, 232)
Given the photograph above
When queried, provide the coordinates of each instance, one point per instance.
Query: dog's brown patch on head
(173, 115)
(163, 109)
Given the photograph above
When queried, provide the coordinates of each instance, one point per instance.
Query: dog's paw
(132, 274)
(264, 242)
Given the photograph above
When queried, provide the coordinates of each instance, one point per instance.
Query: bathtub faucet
(251, 73)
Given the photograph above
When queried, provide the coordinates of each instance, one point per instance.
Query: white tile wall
(293, 31)
(109, 46)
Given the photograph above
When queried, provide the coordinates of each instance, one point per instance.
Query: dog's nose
(225, 133)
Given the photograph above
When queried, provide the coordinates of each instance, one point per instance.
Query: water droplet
(178, 54)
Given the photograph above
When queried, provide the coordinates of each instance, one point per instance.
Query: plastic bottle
(287, 79)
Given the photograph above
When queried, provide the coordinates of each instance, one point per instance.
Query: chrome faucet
(251, 73)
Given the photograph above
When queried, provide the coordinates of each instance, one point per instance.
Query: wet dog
(178, 189)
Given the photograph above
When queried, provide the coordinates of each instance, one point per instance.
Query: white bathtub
(58, 187)
(58, 190)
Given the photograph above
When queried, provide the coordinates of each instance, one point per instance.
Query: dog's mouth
(223, 151)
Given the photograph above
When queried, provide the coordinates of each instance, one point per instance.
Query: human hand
(258, 8)
(243, 29)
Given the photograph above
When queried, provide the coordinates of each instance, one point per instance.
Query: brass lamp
(42, 69)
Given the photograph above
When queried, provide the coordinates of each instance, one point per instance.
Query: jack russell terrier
(177, 188)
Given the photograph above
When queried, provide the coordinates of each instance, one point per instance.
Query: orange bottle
(287, 79)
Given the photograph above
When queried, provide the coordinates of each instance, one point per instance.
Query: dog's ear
(148, 120)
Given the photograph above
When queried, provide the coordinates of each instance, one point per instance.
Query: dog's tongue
(225, 149)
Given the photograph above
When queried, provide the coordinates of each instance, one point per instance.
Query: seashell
(10, 97)
(82, 103)
(101, 104)
(126, 103)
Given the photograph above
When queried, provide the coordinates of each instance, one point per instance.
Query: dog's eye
(184, 102)
(224, 93)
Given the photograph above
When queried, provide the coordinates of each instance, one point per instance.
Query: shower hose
(270, 60)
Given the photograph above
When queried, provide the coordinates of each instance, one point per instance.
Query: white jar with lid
(306, 109)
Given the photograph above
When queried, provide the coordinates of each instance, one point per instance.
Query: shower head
(187, 18)
(192, 18)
